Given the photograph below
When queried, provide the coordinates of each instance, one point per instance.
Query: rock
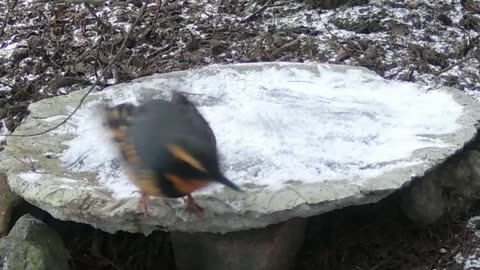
(413, 3)
(399, 29)
(364, 23)
(406, 76)
(470, 22)
(31, 244)
(434, 58)
(371, 53)
(342, 54)
(424, 202)
(300, 139)
(471, 5)
(450, 189)
(19, 54)
(8, 200)
(444, 19)
(272, 248)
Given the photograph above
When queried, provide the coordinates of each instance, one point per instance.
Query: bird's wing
(179, 98)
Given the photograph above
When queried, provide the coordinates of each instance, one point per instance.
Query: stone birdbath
(300, 139)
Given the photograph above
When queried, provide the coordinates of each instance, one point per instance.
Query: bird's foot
(193, 207)
(144, 203)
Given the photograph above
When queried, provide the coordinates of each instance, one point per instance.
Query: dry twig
(10, 7)
(93, 2)
(105, 70)
(99, 21)
(6, 84)
(268, 4)
(475, 54)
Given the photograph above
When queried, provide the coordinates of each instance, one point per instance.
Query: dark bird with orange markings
(168, 147)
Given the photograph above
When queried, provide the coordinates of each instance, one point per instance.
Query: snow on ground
(3, 131)
(397, 48)
(4, 263)
(471, 261)
(275, 126)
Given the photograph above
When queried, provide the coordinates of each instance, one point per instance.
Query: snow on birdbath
(300, 139)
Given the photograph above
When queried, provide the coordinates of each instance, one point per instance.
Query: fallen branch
(255, 13)
(337, 39)
(263, 8)
(285, 47)
(6, 84)
(157, 14)
(105, 70)
(475, 54)
(93, 2)
(99, 21)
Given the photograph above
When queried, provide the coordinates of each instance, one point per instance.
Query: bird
(168, 148)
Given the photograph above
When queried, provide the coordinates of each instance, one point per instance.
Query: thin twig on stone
(105, 70)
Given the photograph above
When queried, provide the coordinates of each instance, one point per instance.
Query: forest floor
(49, 48)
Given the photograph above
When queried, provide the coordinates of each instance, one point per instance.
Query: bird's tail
(229, 183)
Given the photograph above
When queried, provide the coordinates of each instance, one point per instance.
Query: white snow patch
(3, 131)
(66, 180)
(474, 94)
(5, 264)
(474, 225)
(472, 262)
(30, 177)
(54, 118)
(7, 51)
(278, 125)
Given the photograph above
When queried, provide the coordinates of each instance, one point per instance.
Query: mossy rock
(32, 245)
(17, 255)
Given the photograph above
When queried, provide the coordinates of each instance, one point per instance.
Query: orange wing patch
(181, 154)
(186, 186)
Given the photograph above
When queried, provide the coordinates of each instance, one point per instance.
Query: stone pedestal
(449, 189)
(272, 248)
(8, 200)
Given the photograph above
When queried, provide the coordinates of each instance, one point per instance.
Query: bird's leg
(144, 203)
(192, 206)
